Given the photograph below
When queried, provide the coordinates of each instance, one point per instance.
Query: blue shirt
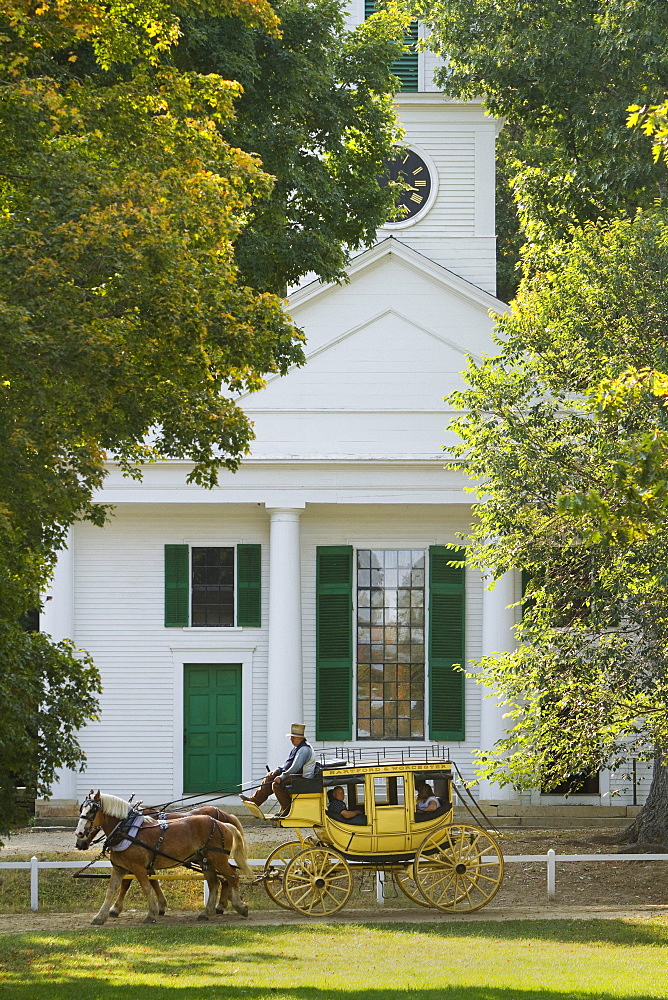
(299, 759)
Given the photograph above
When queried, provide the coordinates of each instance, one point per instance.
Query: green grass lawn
(515, 960)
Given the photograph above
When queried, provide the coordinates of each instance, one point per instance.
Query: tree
(128, 325)
(561, 74)
(49, 692)
(122, 319)
(142, 247)
(317, 109)
(566, 432)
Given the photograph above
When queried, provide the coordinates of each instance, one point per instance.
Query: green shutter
(177, 585)
(249, 560)
(406, 66)
(334, 642)
(447, 623)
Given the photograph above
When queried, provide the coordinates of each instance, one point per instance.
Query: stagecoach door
(211, 727)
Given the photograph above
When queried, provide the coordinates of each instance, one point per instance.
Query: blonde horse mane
(113, 806)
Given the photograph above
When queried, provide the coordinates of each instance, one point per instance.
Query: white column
(57, 619)
(498, 619)
(285, 702)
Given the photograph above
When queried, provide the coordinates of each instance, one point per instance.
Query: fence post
(380, 888)
(34, 883)
(551, 874)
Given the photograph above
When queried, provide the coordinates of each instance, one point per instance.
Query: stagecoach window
(438, 782)
(390, 643)
(356, 795)
(213, 586)
(388, 790)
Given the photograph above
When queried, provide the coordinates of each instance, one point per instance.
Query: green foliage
(125, 326)
(566, 431)
(653, 120)
(561, 74)
(49, 692)
(509, 235)
(317, 109)
(144, 248)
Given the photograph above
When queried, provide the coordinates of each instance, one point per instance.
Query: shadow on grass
(618, 932)
(99, 990)
(88, 964)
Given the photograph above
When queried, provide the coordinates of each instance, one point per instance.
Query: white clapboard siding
(119, 609)
(119, 613)
(382, 352)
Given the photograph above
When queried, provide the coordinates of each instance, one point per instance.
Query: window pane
(213, 586)
(391, 652)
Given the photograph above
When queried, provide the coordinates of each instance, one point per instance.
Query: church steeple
(451, 147)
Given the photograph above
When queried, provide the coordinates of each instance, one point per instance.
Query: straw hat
(297, 730)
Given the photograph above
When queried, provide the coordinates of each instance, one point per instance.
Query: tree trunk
(649, 831)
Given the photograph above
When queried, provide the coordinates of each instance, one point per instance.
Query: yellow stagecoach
(456, 867)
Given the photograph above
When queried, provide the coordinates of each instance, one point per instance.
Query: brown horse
(215, 813)
(190, 839)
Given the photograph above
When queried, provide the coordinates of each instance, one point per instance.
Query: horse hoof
(149, 920)
(202, 916)
(161, 913)
(97, 921)
(243, 911)
(220, 910)
(114, 913)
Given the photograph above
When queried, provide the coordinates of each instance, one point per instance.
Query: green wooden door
(211, 727)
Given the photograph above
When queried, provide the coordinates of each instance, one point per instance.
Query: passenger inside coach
(432, 799)
(426, 800)
(338, 809)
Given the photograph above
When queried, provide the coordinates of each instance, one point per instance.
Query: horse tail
(238, 852)
(233, 820)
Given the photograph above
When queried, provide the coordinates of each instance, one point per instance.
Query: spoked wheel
(405, 879)
(317, 882)
(274, 870)
(459, 868)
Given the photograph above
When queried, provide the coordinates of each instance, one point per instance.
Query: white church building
(313, 585)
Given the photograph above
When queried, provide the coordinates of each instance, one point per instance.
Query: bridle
(89, 810)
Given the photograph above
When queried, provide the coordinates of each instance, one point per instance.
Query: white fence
(550, 860)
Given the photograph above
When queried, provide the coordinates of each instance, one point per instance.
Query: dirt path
(584, 889)
(29, 841)
(37, 923)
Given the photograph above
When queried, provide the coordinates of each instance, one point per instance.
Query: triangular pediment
(387, 359)
(417, 262)
(382, 351)
(385, 314)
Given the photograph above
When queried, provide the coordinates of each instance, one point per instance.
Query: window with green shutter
(177, 585)
(201, 583)
(406, 66)
(334, 642)
(249, 559)
(447, 623)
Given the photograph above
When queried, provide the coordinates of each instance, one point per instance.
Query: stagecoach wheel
(459, 868)
(405, 879)
(274, 870)
(317, 882)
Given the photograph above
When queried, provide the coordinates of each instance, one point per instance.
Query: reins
(476, 805)
(164, 806)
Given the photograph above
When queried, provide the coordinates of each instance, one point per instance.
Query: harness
(156, 851)
(121, 832)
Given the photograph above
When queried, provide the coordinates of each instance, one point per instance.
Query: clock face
(409, 168)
